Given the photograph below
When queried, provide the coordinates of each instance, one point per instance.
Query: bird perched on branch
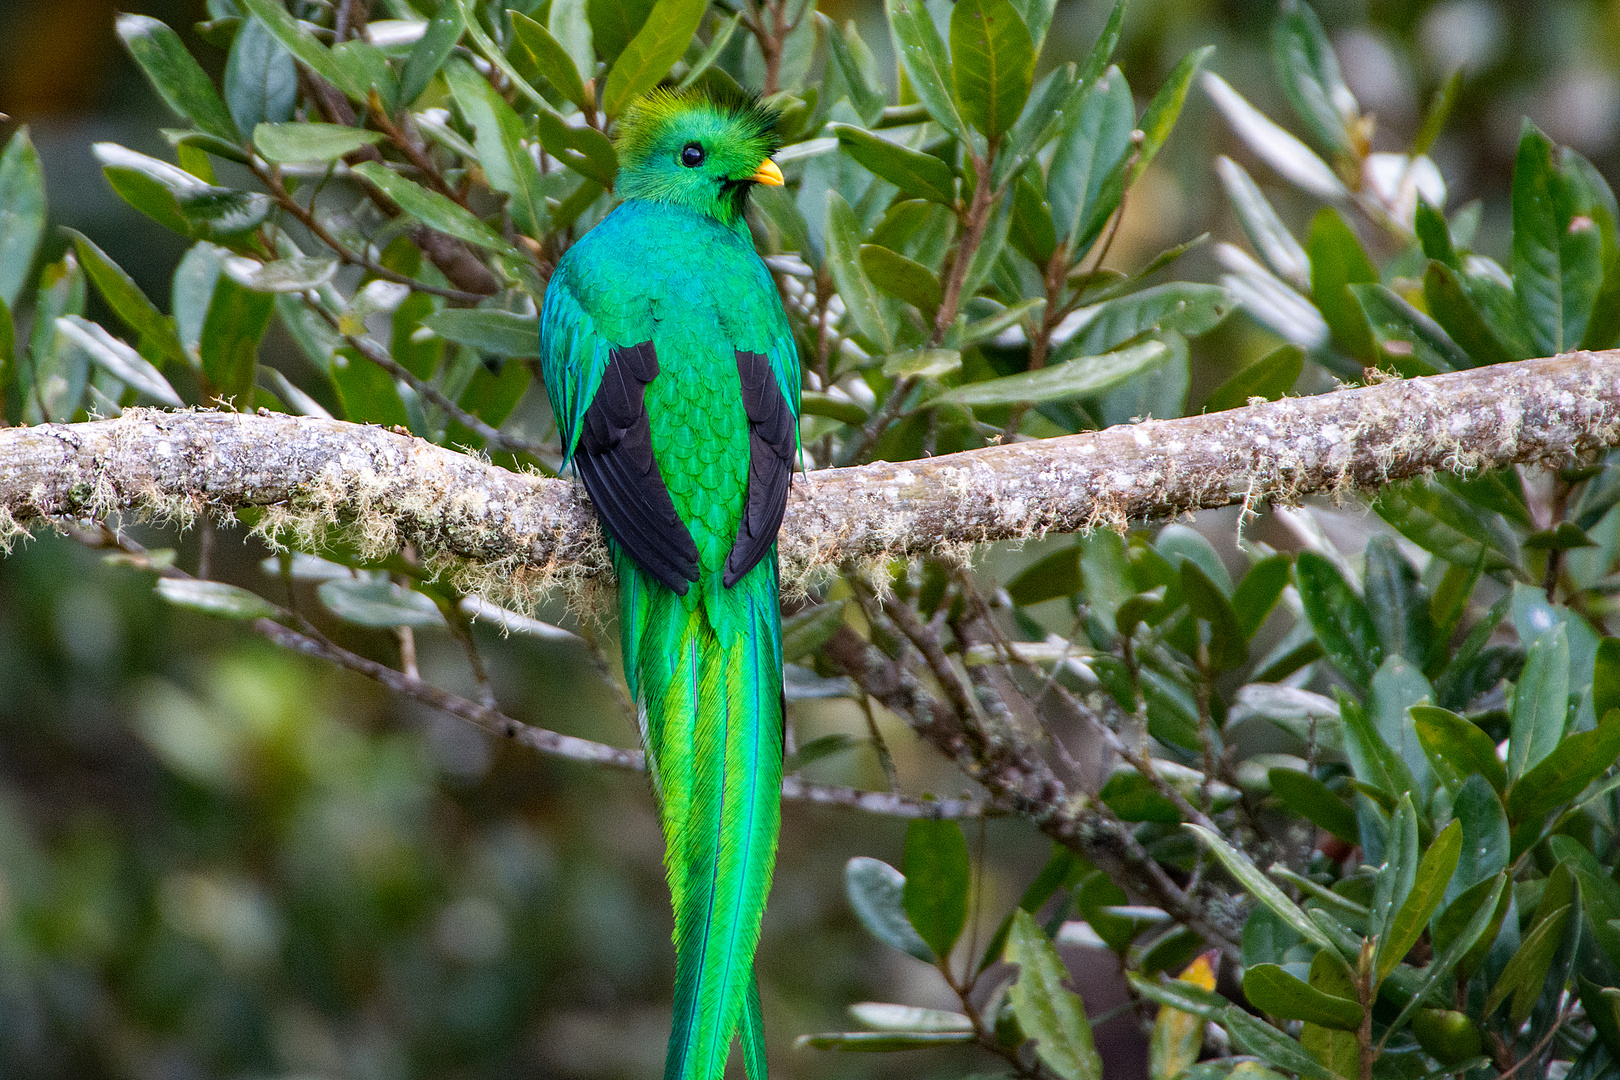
(675, 382)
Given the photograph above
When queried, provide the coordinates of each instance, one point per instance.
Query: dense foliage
(1378, 786)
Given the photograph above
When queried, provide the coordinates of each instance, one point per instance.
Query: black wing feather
(771, 445)
(615, 462)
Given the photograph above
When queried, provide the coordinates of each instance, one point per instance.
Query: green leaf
(861, 300)
(505, 158)
(1339, 617)
(1162, 112)
(22, 214)
(1393, 882)
(1268, 235)
(1270, 378)
(1050, 106)
(1428, 888)
(1488, 905)
(1102, 50)
(296, 39)
(215, 598)
(1047, 578)
(1228, 646)
(916, 173)
(1528, 966)
(903, 279)
(1564, 773)
(1434, 235)
(875, 890)
(1290, 158)
(1313, 800)
(550, 59)
(882, 1041)
(885, 1017)
(1270, 1045)
(816, 403)
(1557, 247)
(1452, 305)
(1602, 1006)
(804, 633)
(431, 208)
(261, 79)
(583, 149)
(937, 872)
(1047, 1010)
(1373, 761)
(368, 393)
(1338, 262)
(1439, 521)
(1413, 343)
(118, 359)
(1540, 703)
(229, 345)
(927, 67)
(1486, 840)
(660, 41)
(1606, 677)
(1085, 180)
(127, 301)
(503, 333)
(177, 77)
(1186, 309)
(1309, 73)
(438, 41)
(308, 141)
(1260, 887)
(1457, 748)
(292, 275)
(1396, 602)
(1071, 379)
(1276, 993)
(378, 603)
(992, 64)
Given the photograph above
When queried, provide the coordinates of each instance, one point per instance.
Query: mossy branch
(508, 533)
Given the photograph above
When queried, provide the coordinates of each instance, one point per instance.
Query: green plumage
(674, 266)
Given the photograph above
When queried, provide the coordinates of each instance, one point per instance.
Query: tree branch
(526, 530)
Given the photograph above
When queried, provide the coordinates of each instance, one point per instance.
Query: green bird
(674, 379)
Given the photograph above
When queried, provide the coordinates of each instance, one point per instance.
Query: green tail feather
(710, 690)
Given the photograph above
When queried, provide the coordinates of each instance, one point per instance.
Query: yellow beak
(767, 173)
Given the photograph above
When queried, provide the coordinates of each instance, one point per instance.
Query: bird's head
(688, 148)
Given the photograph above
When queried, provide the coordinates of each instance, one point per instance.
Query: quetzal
(674, 379)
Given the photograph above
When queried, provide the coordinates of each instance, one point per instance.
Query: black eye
(691, 155)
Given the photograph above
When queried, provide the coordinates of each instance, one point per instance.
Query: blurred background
(220, 860)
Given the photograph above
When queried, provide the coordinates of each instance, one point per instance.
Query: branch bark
(390, 489)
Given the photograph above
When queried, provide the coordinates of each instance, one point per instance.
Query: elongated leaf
(1228, 648)
(1292, 159)
(1557, 248)
(1260, 887)
(1270, 377)
(1457, 748)
(1489, 907)
(937, 872)
(551, 60)
(296, 39)
(1413, 343)
(915, 173)
(928, 67)
(1373, 760)
(1540, 703)
(1563, 774)
(308, 141)
(1437, 520)
(117, 358)
(215, 598)
(381, 604)
(585, 150)
(1338, 262)
(885, 1017)
(1452, 305)
(875, 892)
(1276, 993)
(1072, 379)
(1162, 112)
(22, 214)
(229, 344)
(1428, 888)
(1270, 1045)
(498, 137)
(431, 208)
(1528, 966)
(1395, 876)
(882, 1041)
(903, 279)
(1178, 1036)
(660, 41)
(503, 333)
(1606, 677)
(1265, 230)
(430, 52)
(1339, 617)
(1091, 151)
(861, 300)
(1309, 73)
(1187, 309)
(261, 79)
(177, 77)
(127, 301)
(992, 63)
(1048, 1011)
(1315, 801)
